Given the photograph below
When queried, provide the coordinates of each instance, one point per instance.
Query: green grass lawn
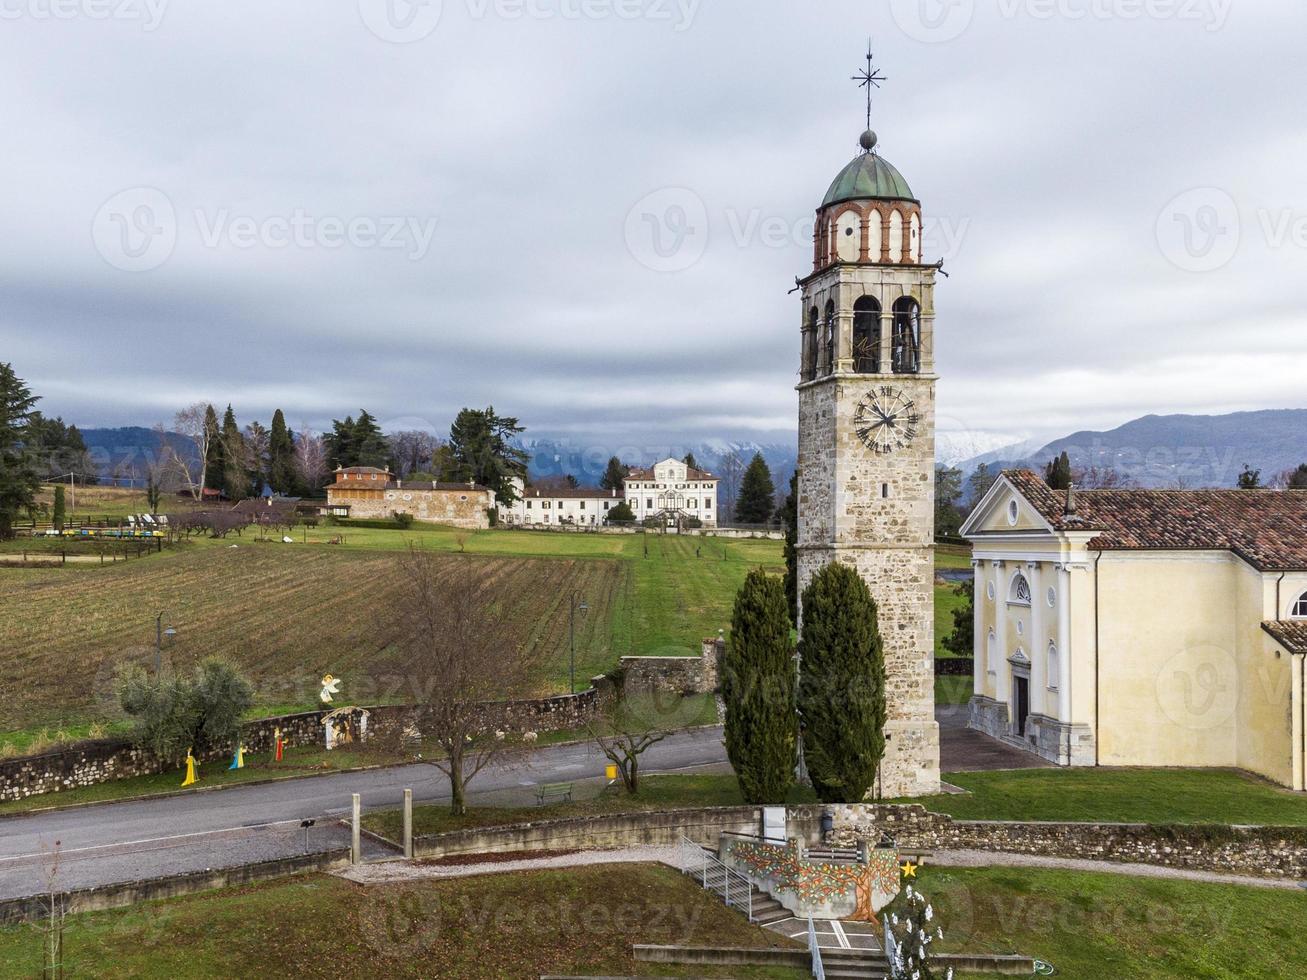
(946, 600)
(1116, 927)
(1156, 796)
(656, 793)
(953, 689)
(579, 921)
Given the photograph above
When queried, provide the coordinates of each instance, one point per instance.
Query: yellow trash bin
(610, 773)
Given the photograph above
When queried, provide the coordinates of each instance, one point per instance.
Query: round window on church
(990, 590)
(1052, 597)
(1012, 512)
(1021, 628)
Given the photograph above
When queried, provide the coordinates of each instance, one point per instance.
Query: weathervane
(869, 78)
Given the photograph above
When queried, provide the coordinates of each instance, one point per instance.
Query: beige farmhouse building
(1143, 627)
(580, 507)
(369, 492)
(672, 490)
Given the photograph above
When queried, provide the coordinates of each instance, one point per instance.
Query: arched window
(810, 345)
(828, 354)
(1020, 591)
(907, 336)
(1300, 607)
(866, 335)
(1054, 668)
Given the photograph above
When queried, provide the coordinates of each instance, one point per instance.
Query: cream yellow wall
(1266, 701)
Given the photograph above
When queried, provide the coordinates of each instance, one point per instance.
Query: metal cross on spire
(869, 78)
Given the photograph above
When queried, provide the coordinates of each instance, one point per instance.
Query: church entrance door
(1020, 704)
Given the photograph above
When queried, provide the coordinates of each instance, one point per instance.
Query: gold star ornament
(909, 869)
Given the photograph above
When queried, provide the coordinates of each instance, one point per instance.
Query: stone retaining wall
(34, 908)
(664, 827)
(92, 762)
(675, 675)
(1278, 852)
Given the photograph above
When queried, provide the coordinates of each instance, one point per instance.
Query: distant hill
(123, 453)
(1176, 450)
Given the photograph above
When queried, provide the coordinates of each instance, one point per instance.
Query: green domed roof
(869, 176)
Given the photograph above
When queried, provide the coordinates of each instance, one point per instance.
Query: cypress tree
(790, 517)
(757, 493)
(60, 512)
(235, 476)
(1057, 474)
(19, 478)
(841, 685)
(215, 463)
(281, 456)
(758, 688)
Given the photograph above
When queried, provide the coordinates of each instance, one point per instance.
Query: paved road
(116, 842)
(126, 841)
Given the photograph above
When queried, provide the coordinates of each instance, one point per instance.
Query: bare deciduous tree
(446, 621)
(413, 450)
(310, 459)
(189, 423)
(629, 727)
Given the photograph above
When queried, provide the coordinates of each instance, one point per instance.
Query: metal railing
(735, 889)
(892, 956)
(818, 969)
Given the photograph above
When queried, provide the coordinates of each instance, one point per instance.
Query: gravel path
(985, 859)
(399, 870)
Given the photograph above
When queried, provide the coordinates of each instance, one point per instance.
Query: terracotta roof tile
(1289, 633)
(1267, 528)
(579, 493)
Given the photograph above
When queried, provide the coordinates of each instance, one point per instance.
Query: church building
(1143, 627)
(867, 435)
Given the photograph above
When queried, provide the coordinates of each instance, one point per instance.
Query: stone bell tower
(867, 437)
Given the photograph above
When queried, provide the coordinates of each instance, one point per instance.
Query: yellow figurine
(191, 777)
(238, 761)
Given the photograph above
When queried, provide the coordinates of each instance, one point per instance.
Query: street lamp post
(572, 608)
(159, 634)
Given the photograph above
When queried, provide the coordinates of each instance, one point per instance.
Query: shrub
(403, 519)
(621, 514)
(200, 712)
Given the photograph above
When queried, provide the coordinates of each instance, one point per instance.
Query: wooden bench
(917, 855)
(553, 793)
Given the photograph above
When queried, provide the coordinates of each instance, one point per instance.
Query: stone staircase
(852, 963)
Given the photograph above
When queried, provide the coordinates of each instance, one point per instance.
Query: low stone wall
(664, 827)
(955, 666)
(92, 762)
(35, 907)
(675, 675)
(1277, 852)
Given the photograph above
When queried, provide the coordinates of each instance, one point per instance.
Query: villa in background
(669, 491)
(579, 507)
(369, 492)
(1143, 627)
(673, 491)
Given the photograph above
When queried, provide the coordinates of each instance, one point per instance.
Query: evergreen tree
(614, 475)
(370, 446)
(59, 514)
(948, 497)
(1057, 474)
(979, 482)
(1298, 478)
(482, 451)
(235, 475)
(215, 465)
(755, 503)
(19, 479)
(790, 517)
(841, 685)
(758, 688)
(1250, 479)
(339, 443)
(961, 641)
(282, 475)
(690, 461)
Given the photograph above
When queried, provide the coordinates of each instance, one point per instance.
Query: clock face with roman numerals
(886, 420)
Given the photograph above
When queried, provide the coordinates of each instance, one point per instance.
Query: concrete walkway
(987, 859)
(387, 872)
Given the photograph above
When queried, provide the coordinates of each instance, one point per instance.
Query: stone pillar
(1002, 672)
(1064, 644)
(1039, 679)
(980, 644)
(886, 337)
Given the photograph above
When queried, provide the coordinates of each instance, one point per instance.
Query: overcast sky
(320, 206)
